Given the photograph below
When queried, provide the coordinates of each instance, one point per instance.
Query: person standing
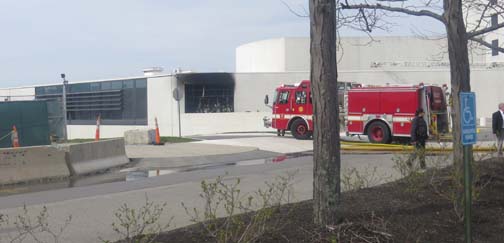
(498, 127)
(418, 137)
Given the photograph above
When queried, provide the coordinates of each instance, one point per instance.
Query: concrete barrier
(85, 158)
(140, 137)
(31, 163)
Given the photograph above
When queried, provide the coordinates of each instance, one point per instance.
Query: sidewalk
(183, 150)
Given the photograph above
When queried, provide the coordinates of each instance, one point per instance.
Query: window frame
(281, 100)
(301, 100)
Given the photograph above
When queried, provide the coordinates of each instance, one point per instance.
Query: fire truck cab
(385, 113)
(293, 110)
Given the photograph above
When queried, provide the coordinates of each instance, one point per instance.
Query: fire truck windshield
(275, 96)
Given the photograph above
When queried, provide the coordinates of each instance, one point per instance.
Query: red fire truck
(382, 113)
(292, 108)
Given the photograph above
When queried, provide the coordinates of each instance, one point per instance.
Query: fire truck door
(301, 103)
(281, 108)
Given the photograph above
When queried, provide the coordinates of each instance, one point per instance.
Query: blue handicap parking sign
(468, 117)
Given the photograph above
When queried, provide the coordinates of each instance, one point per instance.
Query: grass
(80, 140)
(176, 140)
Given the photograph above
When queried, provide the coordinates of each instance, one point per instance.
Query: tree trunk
(460, 76)
(326, 140)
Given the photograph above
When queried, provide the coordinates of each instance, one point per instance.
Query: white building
(233, 102)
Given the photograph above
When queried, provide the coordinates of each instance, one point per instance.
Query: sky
(99, 39)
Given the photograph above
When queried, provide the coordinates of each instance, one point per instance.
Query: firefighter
(418, 137)
(498, 127)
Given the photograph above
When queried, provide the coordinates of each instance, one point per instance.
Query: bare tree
(326, 140)
(452, 14)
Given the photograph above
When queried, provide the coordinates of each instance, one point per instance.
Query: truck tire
(378, 132)
(299, 129)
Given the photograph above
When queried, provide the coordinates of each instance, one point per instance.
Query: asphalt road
(92, 207)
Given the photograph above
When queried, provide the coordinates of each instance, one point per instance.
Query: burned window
(283, 98)
(209, 98)
(301, 97)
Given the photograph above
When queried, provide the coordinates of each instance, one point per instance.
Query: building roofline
(90, 81)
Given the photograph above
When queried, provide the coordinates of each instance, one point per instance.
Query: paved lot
(183, 150)
(92, 207)
(272, 143)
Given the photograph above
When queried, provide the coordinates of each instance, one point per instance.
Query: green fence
(30, 119)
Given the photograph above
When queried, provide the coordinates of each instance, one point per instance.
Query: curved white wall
(261, 56)
(354, 53)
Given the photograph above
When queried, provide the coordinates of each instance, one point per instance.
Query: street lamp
(65, 123)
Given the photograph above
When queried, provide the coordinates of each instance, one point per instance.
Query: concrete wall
(252, 87)
(297, 54)
(261, 56)
(355, 53)
(31, 163)
(212, 123)
(88, 131)
(45, 162)
(161, 104)
(192, 124)
(84, 158)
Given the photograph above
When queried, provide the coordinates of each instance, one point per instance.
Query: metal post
(467, 193)
(65, 123)
(179, 124)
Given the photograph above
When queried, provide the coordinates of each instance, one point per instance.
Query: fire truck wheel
(299, 129)
(378, 133)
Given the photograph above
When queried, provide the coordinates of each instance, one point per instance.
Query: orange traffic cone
(15, 137)
(97, 134)
(158, 137)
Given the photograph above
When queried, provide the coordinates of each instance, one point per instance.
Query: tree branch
(305, 15)
(425, 13)
(486, 44)
(368, 28)
(472, 34)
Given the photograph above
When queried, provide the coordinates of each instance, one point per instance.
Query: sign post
(177, 95)
(468, 133)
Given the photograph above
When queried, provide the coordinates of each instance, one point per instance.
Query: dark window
(310, 98)
(95, 86)
(141, 83)
(117, 85)
(283, 98)
(128, 84)
(495, 46)
(106, 85)
(140, 107)
(493, 2)
(120, 102)
(209, 98)
(494, 20)
(78, 88)
(301, 97)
